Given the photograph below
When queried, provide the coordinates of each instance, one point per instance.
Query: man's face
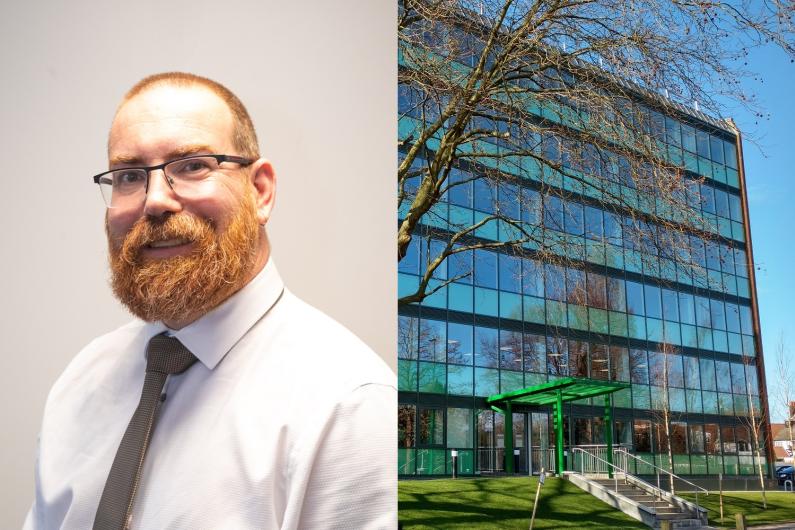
(174, 259)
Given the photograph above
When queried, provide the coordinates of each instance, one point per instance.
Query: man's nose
(160, 195)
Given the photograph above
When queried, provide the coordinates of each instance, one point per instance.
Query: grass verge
(780, 507)
(503, 503)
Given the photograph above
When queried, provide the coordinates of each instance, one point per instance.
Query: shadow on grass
(503, 503)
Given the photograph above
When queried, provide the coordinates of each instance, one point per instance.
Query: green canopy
(556, 393)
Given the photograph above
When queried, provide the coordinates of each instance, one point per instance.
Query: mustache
(147, 230)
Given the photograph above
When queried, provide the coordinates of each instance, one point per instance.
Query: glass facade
(618, 308)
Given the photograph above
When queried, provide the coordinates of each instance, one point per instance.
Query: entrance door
(542, 455)
(486, 446)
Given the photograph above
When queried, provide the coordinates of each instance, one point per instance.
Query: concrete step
(673, 516)
(686, 523)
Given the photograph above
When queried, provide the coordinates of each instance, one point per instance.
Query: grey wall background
(319, 80)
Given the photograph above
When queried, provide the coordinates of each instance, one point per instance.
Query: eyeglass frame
(244, 162)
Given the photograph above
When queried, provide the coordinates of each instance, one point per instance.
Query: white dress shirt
(286, 421)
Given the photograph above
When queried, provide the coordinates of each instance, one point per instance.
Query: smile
(167, 243)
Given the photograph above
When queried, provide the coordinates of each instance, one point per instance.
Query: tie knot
(167, 355)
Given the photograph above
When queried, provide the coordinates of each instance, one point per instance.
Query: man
(231, 403)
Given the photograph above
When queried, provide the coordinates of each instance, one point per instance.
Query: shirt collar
(212, 336)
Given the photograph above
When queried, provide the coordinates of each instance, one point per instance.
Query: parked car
(785, 473)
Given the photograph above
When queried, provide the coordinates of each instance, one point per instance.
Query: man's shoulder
(330, 347)
(102, 357)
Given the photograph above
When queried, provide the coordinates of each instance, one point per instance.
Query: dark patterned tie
(165, 355)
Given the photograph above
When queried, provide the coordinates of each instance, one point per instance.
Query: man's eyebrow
(132, 160)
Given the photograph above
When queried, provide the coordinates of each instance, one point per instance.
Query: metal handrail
(627, 453)
(591, 455)
(658, 469)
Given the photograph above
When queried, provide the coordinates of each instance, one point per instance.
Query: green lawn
(780, 507)
(503, 503)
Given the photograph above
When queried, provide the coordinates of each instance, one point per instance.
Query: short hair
(244, 137)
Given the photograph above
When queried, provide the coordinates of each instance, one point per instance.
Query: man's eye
(128, 178)
(190, 167)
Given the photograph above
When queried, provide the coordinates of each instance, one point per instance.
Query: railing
(591, 462)
(625, 455)
(597, 450)
(541, 458)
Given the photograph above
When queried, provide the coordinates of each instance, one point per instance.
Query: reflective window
(678, 432)
(433, 340)
(460, 428)
(641, 436)
(459, 344)
(613, 231)
(703, 312)
(727, 437)
(615, 294)
(485, 269)
(531, 206)
(460, 266)
(675, 374)
(738, 378)
(406, 422)
(716, 149)
(724, 377)
(692, 379)
(689, 138)
(431, 426)
(702, 144)
(574, 222)
(746, 324)
(553, 213)
(707, 198)
(575, 286)
(670, 301)
(554, 282)
(509, 200)
(639, 366)
(557, 356)
(535, 353)
(408, 337)
(712, 439)
(486, 349)
(510, 350)
(593, 223)
(652, 297)
(532, 278)
(411, 261)
(578, 358)
(619, 364)
(708, 381)
(485, 194)
(687, 311)
(696, 438)
(717, 314)
(732, 318)
(510, 273)
(460, 188)
(735, 208)
(634, 298)
(597, 295)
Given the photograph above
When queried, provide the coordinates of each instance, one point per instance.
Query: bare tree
(552, 105)
(756, 422)
(784, 393)
(661, 407)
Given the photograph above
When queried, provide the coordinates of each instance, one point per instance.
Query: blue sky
(770, 179)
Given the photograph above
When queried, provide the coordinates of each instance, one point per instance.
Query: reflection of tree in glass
(570, 96)
(406, 414)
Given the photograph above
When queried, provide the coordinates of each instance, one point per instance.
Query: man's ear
(264, 180)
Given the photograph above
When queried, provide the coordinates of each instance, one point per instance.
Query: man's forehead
(168, 110)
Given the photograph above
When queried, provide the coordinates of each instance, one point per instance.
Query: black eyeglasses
(127, 187)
